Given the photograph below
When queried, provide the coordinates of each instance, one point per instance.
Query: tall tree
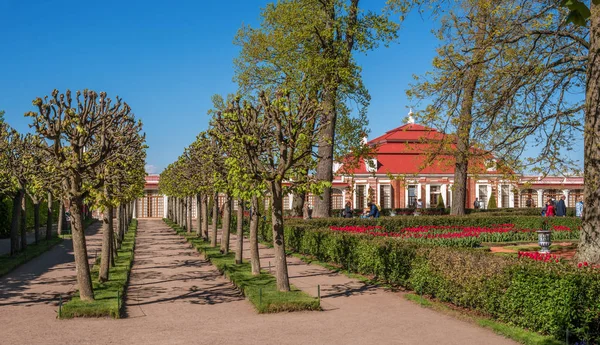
(494, 94)
(310, 44)
(271, 136)
(75, 137)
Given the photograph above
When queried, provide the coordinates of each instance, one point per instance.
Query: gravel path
(177, 298)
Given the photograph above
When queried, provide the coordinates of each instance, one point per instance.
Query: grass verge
(9, 263)
(108, 296)
(261, 290)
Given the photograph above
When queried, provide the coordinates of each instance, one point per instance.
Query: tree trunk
(298, 204)
(198, 216)
(205, 217)
(49, 218)
(113, 242)
(23, 223)
(239, 248)
(14, 225)
(36, 221)
(105, 258)
(120, 228)
(61, 217)
(254, 254)
(189, 213)
(226, 225)
(589, 246)
(322, 206)
(283, 282)
(84, 279)
(215, 218)
(463, 132)
(181, 213)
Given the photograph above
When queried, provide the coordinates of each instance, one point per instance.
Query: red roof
(403, 150)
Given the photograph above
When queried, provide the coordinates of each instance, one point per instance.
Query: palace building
(402, 170)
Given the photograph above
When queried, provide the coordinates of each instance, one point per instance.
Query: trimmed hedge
(545, 297)
(392, 223)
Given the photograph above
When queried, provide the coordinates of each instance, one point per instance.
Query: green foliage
(6, 215)
(492, 203)
(440, 203)
(106, 302)
(261, 290)
(392, 224)
(545, 297)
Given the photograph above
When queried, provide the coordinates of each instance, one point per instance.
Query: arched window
(574, 195)
(529, 198)
(337, 199)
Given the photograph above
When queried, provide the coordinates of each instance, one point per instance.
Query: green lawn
(108, 295)
(261, 290)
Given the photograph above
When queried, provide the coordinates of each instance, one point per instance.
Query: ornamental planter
(544, 241)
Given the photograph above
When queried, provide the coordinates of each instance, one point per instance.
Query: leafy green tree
(310, 45)
(272, 135)
(492, 202)
(76, 136)
(588, 17)
(494, 95)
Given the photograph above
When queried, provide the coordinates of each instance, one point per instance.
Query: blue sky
(166, 59)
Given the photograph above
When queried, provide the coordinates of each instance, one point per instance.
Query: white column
(541, 202)
(290, 201)
(511, 193)
(489, 193)
(566, 194)
(443, 191)
(165, 206)
(427, 192)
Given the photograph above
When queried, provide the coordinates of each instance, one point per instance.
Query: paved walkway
(177, 298)
(5, 242)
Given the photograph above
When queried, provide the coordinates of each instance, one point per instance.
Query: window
(529, 198)
(434, 195)
(361, 197)
(286, 202)
(555, 194)
(505, 190)
(386, 197)
(483, 195)
(574, 196)
(337, 199)
(412, 196)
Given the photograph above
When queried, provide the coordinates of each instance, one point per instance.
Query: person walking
(476, 204)
(550, 208)
(561, 208)
(579, 208)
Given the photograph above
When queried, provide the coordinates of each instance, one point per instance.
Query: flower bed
(539, 256)
(457, 236)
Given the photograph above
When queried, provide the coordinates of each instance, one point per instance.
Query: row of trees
(83, 151)
(500, 84)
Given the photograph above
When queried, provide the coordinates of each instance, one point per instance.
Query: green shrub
(492, 203)
(545, 297)
(392, 224)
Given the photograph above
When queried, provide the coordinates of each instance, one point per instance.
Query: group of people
(559, 208)
(373, 211)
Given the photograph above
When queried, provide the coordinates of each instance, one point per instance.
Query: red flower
(579, 265)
